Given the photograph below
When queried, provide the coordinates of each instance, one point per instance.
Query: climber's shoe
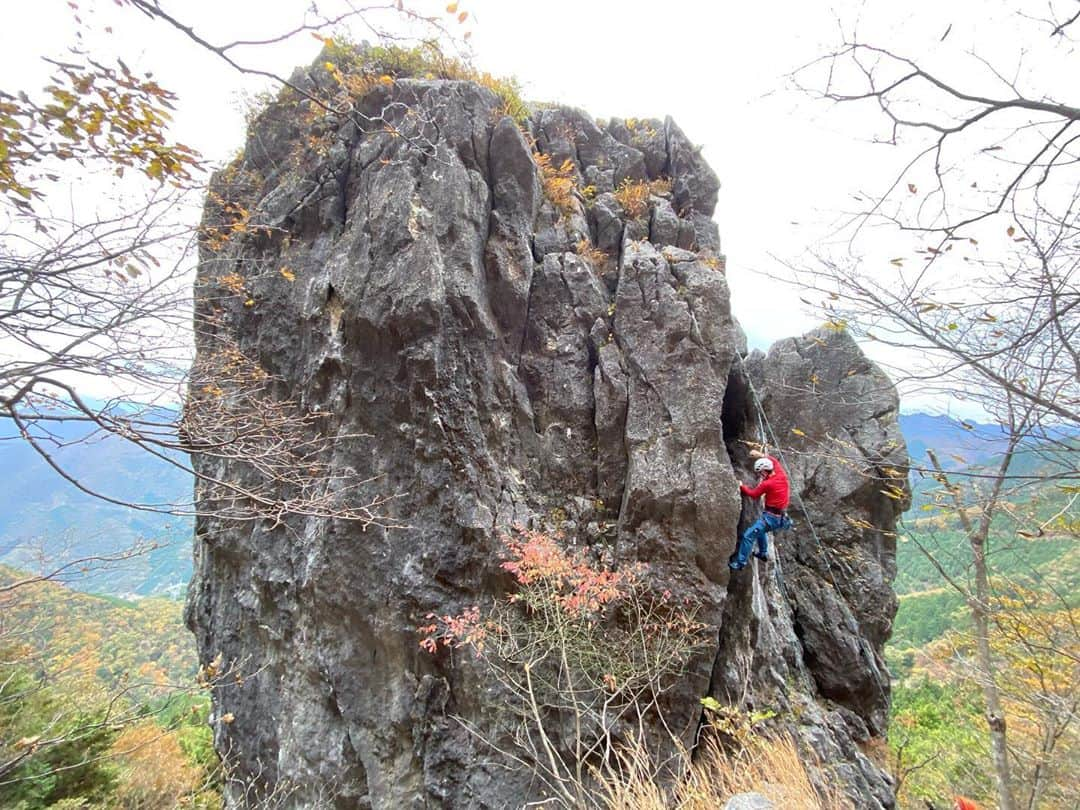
(735, 565)
(760, 556)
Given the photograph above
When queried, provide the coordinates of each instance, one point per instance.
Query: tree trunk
(995, 717)
(979, 603)
(1039, 778)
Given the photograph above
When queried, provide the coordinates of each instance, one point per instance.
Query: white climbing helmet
(763, 465)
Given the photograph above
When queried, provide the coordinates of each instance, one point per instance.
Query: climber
(773, 484)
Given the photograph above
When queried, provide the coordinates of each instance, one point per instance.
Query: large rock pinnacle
(489, 358)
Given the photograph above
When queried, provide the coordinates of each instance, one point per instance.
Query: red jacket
(774, 487)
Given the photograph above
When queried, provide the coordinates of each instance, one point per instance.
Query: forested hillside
(104, 694)
(938, 732)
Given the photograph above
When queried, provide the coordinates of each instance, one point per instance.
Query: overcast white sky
(789, 165)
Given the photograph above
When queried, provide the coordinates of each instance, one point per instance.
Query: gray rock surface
(748, 801)
(473, 365)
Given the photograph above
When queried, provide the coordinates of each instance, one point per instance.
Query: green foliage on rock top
(368, 65)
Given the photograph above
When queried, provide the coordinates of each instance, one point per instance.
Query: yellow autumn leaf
(452, 8)
(797, 432)
(250, 302)
(287, 274)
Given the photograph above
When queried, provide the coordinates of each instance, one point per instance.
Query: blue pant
(758, 533)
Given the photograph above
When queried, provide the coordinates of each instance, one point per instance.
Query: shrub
(580, 647)
(633, 196)
(640, 129)
(560, 183)
(360, 68)
(718, 263)
(509, 92)
(661, 186)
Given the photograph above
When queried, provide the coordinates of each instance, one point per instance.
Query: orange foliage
(154, 770)
(90, 646)
(593, 255)
(90, 113)
(552, 578)
(544, 571)
(575, 585)
(559, 183)
(634, 196)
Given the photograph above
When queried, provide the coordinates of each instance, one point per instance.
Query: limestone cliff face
(487, 369)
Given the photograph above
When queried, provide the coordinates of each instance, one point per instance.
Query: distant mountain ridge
(42, 516)
(956, 442)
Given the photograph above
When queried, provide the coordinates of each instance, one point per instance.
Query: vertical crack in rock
(467, 361)
(738, 418)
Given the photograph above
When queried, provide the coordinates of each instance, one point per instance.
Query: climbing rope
(770, 437)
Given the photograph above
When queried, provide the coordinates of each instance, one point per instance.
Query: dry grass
(717, 263)
(590, 253)
(634, 196)
(359, 70)
(771, 767)
(559, 182)
(661, 186)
